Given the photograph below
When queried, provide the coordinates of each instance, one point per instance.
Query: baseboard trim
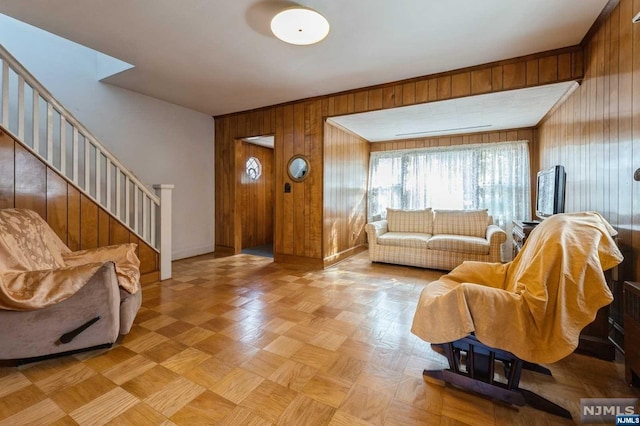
(339, 257)
(149, 277)
(224, 250)
(310, 262)
(191, 252)
(600, 348)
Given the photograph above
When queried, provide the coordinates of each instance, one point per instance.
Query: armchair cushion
(534, 306)
(38, 270)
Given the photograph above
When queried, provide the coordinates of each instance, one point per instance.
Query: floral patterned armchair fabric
(53, 300)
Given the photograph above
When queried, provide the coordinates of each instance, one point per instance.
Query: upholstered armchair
(55, 301)
(528, 311)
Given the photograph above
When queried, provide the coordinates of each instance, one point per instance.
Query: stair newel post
(164, 193)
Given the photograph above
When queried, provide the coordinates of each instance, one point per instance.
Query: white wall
(158, 141)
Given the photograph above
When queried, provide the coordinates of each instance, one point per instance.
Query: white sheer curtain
(485, 176)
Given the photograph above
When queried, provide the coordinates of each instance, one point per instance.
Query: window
(254, 168)
(492, 176)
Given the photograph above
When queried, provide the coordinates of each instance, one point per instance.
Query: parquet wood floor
(239, 340)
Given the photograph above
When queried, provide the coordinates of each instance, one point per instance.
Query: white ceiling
(219, 56)
(266, 141)
(511, 109)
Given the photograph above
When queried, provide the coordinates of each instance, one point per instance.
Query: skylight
(23, 39)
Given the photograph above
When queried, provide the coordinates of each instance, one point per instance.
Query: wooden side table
(520, 233)
(631, 309)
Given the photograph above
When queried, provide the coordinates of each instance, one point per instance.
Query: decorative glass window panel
(254, 168)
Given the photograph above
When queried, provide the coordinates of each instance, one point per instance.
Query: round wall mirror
(298, 168)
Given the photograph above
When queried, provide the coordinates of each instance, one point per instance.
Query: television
(550, 192)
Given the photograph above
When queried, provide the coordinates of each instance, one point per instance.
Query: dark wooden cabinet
(631, 307)
(520, 233)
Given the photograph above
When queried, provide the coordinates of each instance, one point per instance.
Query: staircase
(33, 117)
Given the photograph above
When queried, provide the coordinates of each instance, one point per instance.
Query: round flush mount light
(299, 25)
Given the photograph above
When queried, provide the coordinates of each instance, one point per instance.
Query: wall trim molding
(311, 262)
(192, 251)
(339, 257)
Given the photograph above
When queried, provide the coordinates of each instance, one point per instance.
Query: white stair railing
(33, 115)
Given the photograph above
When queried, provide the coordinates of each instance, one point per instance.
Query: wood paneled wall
(256, 196)
(595, 134)
(298, 129)
(346, 172)
(27, 182)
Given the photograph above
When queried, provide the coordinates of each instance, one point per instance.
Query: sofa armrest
(495, 235)
(375, 229)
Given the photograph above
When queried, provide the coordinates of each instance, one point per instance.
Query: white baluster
(108, 186)
(74, 156)
(152, 228)
(36, 119)
(127, 201)
(98, 175)
(145, 214)
(135, 210)
(118, 193)
(5, 94)
(50, 133)
(20, 107)
(87, 165)
(63, 145)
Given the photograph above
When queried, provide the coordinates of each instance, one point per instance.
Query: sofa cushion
(472, 223)
(420, 221)
(459, 244)
(404, 239)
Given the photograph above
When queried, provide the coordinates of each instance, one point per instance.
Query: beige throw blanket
(37, 269)
(534, 306)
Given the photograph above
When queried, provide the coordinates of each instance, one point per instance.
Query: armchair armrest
(375, 229)
(28, 290)
(124, 257)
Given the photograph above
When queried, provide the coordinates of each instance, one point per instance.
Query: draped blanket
(37, 269)
(534, 306)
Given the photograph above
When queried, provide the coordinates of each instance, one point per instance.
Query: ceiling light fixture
(299, 25)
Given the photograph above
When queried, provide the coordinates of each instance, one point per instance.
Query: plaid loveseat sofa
(435, 239)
